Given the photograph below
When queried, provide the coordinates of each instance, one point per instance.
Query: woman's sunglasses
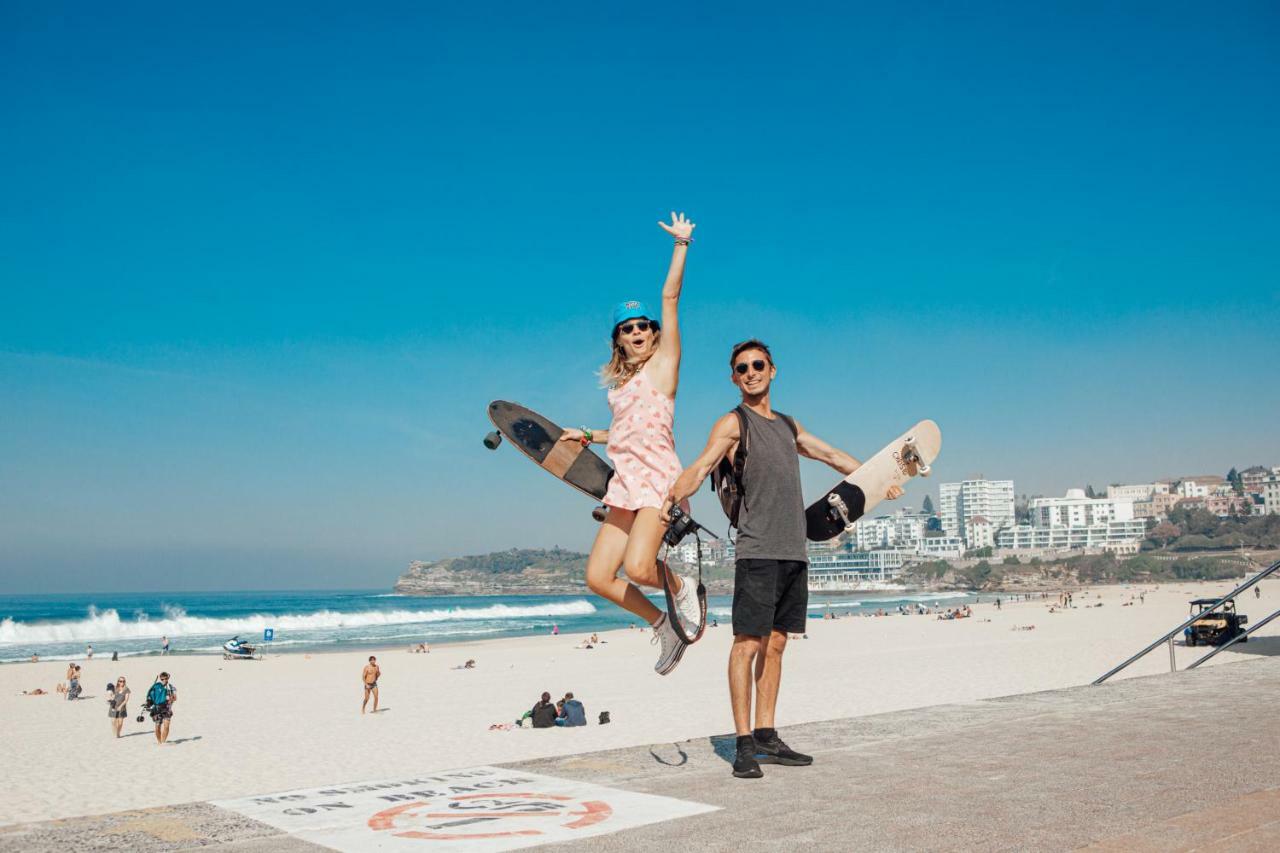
(642, 326)
(757, 365)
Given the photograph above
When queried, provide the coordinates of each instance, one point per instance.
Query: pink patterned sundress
(641, 446)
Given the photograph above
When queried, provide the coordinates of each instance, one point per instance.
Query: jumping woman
(641, 377)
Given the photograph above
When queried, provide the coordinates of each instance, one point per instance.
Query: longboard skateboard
(539, 439)
(908, 455)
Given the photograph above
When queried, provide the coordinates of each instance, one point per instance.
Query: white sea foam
(108, 625)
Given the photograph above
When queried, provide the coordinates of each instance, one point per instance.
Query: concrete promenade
(1173, 762)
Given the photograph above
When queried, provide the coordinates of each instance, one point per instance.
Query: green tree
(927, 507)
(1089, 492)
(1237, 483)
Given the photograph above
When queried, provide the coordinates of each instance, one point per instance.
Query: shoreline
(816, 599)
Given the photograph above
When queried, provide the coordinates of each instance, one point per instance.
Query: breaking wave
(108, 625)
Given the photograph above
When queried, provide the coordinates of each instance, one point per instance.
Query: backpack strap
(739, 461)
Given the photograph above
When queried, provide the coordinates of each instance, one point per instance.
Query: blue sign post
(268, 634)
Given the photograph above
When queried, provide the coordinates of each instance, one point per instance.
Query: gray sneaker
(672, 646)
(687, 604)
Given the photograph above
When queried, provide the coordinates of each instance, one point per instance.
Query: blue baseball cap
(632, 309)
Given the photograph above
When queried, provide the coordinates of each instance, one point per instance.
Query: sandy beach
(292, 721)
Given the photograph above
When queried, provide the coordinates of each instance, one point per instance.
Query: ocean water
(60, 626)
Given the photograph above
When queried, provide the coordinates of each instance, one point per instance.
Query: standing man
(160, 700)
(370, 676)
(771, 580)
(164, 645)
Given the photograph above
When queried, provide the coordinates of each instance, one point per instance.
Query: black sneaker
(745, 765)
(772, 750)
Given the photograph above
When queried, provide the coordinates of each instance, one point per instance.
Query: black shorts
(770, 595)
(160, 713)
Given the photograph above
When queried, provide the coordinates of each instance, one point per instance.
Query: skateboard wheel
(492, 440)
(600, 513)
(911, 439)
(924, 470)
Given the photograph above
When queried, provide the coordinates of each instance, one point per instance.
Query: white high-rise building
(961, 502)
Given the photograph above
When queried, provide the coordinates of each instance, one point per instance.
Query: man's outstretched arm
(813, 447)
(809, 445)
(724, 435)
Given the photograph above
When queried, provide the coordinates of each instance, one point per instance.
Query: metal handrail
(1169, 636)
(1237, 638)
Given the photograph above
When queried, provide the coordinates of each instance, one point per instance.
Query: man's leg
(365, 703)
(375, 700)
(744, 652)
(768, 672)
(789, 616)
(164, 730)
(158, 738)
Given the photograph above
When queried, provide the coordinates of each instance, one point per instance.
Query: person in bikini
(771, 577)
(370, 675)
(641, 376)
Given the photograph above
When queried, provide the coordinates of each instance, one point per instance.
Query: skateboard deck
(539, 439)
(907, 456)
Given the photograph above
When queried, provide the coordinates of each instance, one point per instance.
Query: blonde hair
(617, 371)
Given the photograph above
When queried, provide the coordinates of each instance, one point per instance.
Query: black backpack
(726, 477)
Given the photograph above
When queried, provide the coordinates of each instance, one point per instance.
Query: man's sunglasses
(758, 366)
(641, 326)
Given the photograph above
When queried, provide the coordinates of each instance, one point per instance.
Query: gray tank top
(771, 521)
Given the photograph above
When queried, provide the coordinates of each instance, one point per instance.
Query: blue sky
(262, 269)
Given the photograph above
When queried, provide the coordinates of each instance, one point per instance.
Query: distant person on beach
(770, 593)
(161, 698)
(1257, 591)
(88, 652)
(642, 376)
(543, 712)
(73, 682)
(572, 713)
(164, 645)
(35, 658)
(118, 705)
(369, 675)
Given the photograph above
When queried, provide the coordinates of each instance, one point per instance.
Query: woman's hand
(572, 435)
(680, 227)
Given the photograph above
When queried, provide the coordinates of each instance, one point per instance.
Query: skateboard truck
(840, 511)
(492, 440)
(911, 454)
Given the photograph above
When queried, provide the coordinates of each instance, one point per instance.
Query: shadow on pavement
(725, 746)
(1265, 646)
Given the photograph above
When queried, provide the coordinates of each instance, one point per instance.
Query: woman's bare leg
(641, 557)
(602, 566)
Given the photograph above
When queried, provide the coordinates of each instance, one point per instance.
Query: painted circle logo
(470, 817)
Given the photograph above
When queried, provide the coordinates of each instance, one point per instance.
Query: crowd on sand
(158, 701)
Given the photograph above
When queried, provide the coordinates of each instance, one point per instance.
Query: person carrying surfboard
(641, 376)
(771, 577)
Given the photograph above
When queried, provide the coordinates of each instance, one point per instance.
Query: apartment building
(960, 503)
